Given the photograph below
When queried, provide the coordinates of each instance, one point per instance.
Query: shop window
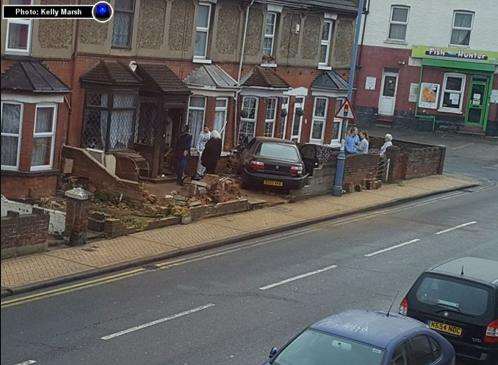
(248, 119)
(123, 23)
(453, 92)
(113, 112)
(196, 109)
(319, 119)
(398, 23)
(220, 117)
(326, 42)
(43, 137)
(462, 27)
(11, 134)
(270, 27)
(18, 32)
(270, 116)
(202, 24)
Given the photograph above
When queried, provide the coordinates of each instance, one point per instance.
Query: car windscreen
(318, 348)
(460, 296)
(278, 151)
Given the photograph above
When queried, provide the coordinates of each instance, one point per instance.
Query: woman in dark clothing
(212, 152)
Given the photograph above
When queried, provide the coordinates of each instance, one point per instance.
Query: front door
(477, 101)
(298, 118)
(387, 99)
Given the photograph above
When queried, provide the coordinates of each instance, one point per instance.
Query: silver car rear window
(279, 151)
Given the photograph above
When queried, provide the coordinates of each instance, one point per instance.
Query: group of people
(208, 147)
(357, 142)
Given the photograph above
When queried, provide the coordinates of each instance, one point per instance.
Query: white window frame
(391, 21)
(270, 35)
(225, 110)
(271, 120)
(27, 22)
(317, 118)
(461, 92)
(285, 106)
(327, 42)
(461, 28)
(203, 30)
(18, 135)
(295, 137)
(255, 119)
(336, 142)
(203, 109)
(45, 134)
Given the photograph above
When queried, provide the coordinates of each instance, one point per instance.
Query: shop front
(455, 88)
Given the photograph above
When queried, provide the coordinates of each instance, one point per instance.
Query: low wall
(24, 233)
(358, 168)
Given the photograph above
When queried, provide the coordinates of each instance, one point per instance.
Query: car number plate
(445, 328)
(273, 183)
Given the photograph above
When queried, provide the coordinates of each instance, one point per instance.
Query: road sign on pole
(346, 111)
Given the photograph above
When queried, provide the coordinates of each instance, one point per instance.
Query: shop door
(387, 98)
(477, 101)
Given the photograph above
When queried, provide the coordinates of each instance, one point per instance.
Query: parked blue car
(365, 338)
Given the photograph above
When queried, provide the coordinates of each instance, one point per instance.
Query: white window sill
(202, 60)
(324, 67)
(17, 52)
(459, 46)
(396, 41)
(450, 110)
(41, 168)
(9, 168)
(271, 65)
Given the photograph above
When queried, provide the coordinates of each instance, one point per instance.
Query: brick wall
(360, 167)
(23, 231)
(15, 185)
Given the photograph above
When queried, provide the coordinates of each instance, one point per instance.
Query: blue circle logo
(102, 11)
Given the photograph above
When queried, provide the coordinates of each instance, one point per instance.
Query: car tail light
(256, 165)
(296, 170)
(403, 307)
(491, 336)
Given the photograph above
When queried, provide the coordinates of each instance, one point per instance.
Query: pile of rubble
(215, 189)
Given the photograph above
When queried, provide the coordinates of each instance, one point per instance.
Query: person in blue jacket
(352, 141)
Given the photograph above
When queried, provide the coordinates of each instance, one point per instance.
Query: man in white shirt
(204, 136)
(387, 143)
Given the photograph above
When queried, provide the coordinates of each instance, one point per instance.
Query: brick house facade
(427, 65)
(295, 41)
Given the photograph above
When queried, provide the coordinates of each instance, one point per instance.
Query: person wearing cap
(387, 143)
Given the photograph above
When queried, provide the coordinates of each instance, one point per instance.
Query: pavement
(58, 266)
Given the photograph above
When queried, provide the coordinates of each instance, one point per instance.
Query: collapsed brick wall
(320, 183)
(24, 229)
(92, 173)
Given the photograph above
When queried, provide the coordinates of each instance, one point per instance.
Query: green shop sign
(455, 54)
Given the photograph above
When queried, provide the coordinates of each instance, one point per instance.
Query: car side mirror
(273, 352)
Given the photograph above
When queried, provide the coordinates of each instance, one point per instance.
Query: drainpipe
(241, 62)
(73, 74)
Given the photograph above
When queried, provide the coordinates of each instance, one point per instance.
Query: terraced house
(118, 93)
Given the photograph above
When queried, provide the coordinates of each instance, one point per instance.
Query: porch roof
(111, 73)
(160, 78)
(262, 77)
(329, 81)
(32, 77)
(211, 76)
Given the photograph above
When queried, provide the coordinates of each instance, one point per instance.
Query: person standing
(212, 152)
(387, 143)
(352, 141)
(204, 137)
(364, 143)
(183, 145)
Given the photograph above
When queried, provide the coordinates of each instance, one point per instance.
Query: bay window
(453, 92)
(270, 27)
(326, 41)
(462, 27)
(319, 119)
(398, 23)
(196, 110)
(270, 115)
(248, 119)
(123, 23)
(42, 155)
(202, 23)
(18, 39)
(11, 134)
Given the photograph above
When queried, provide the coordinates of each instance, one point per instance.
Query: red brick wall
(25, 229)
(28, 186)
(359, 168)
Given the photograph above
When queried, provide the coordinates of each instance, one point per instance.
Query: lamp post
(341, 158)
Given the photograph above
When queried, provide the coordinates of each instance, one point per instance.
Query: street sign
(346, 111)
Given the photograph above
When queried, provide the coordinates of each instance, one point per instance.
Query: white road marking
(266, 287)
(462, 146)
(157, 321)
(391, 248)
(27, 362)
(456, 227)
